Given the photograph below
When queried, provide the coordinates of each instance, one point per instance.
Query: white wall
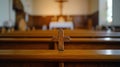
(12, 13)
(103, 12)
(76, 7)
(94, 6)
(116, 12)
(45, 7)
(28, 6)
(51, 7)
(72, 7)
(7, 13)
(4, 11)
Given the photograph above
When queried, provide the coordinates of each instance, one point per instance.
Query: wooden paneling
(95, 18)
(80, 21)
(39, 21)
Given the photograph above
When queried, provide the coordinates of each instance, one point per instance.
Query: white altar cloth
(53, 25)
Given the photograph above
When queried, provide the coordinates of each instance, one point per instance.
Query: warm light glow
(61, 19)
(45, 8)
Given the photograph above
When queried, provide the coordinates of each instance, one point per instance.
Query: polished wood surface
(82, 48)
(74, 39)
(67, 55)
(74, 33)
(71, 33)
(26, 39)
(95, 40)
(91, 34)
(73, 36)
(30, 34)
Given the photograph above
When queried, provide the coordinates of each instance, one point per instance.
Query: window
(109, 11)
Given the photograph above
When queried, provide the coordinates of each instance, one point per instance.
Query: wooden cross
(61, 6)
(61, 39)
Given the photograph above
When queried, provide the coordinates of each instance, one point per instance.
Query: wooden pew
(80, 48)
(30, 34)
(74, 39)
(67, 55)
(67, 58)
(90, 34)
(84, 39)
(28, 40)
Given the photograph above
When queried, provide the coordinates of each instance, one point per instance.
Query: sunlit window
(109, 11)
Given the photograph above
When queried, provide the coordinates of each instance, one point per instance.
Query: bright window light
(109, 11)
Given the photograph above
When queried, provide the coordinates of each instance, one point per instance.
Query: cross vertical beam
(60, 39)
